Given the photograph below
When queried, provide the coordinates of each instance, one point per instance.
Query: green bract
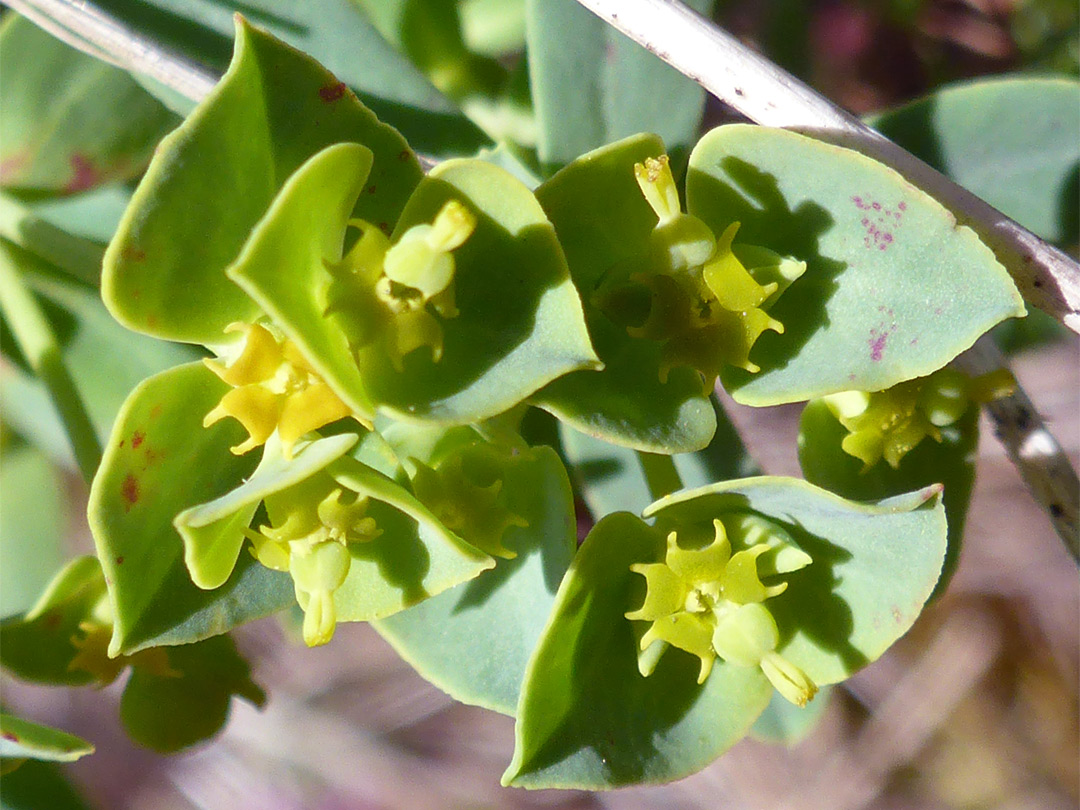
(587, 717)
(273, 110)
(893, 289)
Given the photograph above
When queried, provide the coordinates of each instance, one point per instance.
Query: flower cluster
(464, 494)
(273, 388)
(314, 523)
(393, 292)
(889, 424)
(705, 306)
(710, 602)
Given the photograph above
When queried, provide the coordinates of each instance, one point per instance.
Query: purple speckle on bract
(877, 346)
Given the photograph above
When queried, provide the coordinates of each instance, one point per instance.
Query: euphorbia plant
(385, 351)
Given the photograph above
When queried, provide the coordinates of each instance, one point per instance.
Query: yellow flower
(393, 292)
(705, 306)
(708, 602)
(891, 423)
(315, 523)
(274, 388)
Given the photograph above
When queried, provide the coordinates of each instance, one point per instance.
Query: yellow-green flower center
(710, 602)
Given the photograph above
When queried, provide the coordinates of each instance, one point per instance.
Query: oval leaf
(603, 222)
(874, 565)
(21, 739)
(520, 323)
(950, 463)
(215, 177)
(283, 264)
(587, 718)
(894, 288)
(159, 461)
(474, 641)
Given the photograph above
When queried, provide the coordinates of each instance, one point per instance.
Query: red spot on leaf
(877, 345)
(137, 438)
(129, 491)
(11, 166)
(404, 155)
(332, 92)
(133, 254)
(120, 560)
(371, 189)
(84, 175)
(902, 206)
(385, 228)
(8, 735)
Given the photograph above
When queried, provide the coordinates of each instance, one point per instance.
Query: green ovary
(705, 306)
(395, 294)
(710, 602)
(314, 523)
(891, 423)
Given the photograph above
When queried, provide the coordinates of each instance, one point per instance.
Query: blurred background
(977, 707)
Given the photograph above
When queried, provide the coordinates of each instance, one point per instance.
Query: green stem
(660, 474)
(36, 340)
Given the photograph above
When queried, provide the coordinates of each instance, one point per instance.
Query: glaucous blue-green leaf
(21, 739)
(337, 33)
(784, 722)
(874, 564)
(174, 710)
(520, 322)
(71, 122)
(592, 85)
(587, 718)
(215, 177)
(603, 222)
(1010, 140)
(611, 478)
(213, 532)
(283, 265)
(159, 461)
(37, 646)
(34, 506)
(950, 463)
(894, 289)
(416, 556)
(474, 640)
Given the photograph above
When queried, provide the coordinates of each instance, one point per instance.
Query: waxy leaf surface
(603, 222)
(21, 739)
(950, 463)
(474, 641)
(160, 461)
(216, 176)
(874, 564)
(587, 718)
(894, 289)
(592, 85)
(520, 322)
(414, 558)
(283, 264)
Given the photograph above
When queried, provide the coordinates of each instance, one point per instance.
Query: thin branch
(768, 95)
(89, 29)
(771, 96)
(37, 342)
